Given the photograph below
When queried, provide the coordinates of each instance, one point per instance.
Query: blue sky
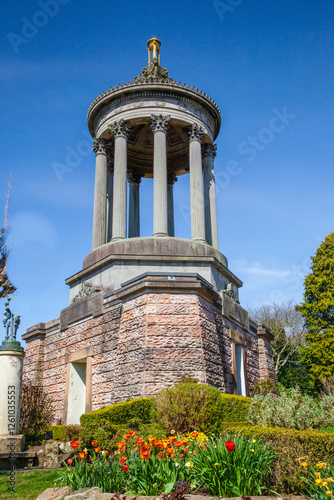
(258, 60)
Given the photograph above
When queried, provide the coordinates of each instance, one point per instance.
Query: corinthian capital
(195, 132)
(209, 150)
(134, 177)
(171, 178)
(121, 128)
(102, 146)
(159, 123)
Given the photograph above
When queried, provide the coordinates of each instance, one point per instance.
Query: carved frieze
(86, 290)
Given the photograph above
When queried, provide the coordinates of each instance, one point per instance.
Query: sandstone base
(145, 336)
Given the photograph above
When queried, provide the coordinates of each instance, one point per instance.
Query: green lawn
(29, 484)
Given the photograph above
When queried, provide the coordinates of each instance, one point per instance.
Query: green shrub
(65, 432)
(235, 408)
(292, 410)
(121, 413)
(36, 412)
(189, 406)
(185, 407)
(265, 386)
(290, 445)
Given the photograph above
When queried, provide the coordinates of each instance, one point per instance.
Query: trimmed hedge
(290, 444)
(235, 408)
(65, 432)
(121, 413)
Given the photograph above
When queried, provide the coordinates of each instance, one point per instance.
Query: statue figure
(7, 317)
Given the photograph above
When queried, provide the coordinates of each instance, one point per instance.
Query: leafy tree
(286, 324)
(6, 288)
(318, 312)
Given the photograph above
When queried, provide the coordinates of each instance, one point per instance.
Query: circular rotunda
(153, 127)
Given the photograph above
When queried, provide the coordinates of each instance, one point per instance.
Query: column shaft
(110, 186)
(210, 201)
(134, 207)
(100, 194)
(196, 184)
(159, 125)
(120, 181)
(170, 203)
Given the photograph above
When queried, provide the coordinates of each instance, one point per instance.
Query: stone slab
(54, 493)
(10, 443)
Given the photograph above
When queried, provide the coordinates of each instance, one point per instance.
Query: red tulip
(230, 445)
(74, 444)
(125, 468)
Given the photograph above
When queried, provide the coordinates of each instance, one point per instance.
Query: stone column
(134, 180)
(210, 201)
(100, 147)
(159, 125)
(196, 184)
(120, 130)
(171, 179)
(110, 188)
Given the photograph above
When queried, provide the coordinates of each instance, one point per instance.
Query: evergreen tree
(318, 312)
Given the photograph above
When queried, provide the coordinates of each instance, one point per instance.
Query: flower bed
(226, 466)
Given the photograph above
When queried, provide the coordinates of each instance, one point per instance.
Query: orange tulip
(94, 443)
(161, 454)
(145, 455)
(122, 460)
(194, 434)
(172, 439)
(97, 450)
(140, 442)
(178, 444)
(74, 444)
(145, 448)
(120, 445)
(70, 461)
(170, 451)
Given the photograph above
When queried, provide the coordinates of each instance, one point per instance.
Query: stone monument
(11, 362)
(145, 311)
